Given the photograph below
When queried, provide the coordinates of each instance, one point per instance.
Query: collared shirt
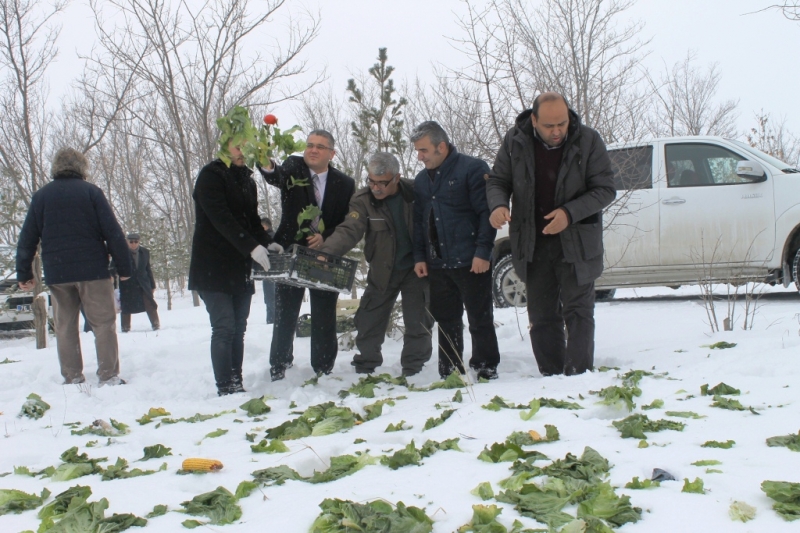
(547, 146)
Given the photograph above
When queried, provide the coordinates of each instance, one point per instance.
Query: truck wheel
(604, 295)
(795, 266)
(507, 289)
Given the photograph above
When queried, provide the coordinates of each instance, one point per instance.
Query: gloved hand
(260, 256)
(275, 247)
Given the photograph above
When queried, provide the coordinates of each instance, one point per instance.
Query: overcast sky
(753, 50)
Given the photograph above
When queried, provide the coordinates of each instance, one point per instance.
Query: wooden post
(39, 305)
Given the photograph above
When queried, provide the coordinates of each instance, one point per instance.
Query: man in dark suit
(136, 293)
(307, 181)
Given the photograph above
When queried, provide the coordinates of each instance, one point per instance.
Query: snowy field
(660, 331)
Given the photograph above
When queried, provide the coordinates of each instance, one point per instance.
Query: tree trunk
(39, 304)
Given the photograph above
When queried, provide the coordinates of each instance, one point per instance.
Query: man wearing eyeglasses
(383, 211)
(304, 181)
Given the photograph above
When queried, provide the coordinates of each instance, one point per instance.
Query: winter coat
(372, 217)
(585, 185)
(227, 228)
(133, 291)
(457, 197)
(339, 188)
(77, 229)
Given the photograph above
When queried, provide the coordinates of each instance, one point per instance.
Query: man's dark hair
(324, 133)
(433, 131)
(266, 221)
(547, 97)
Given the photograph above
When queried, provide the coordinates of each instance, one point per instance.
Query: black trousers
(453, 290)
(560, 311)
(228, 314)
(324, 347)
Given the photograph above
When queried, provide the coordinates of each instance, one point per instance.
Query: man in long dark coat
(136, 293)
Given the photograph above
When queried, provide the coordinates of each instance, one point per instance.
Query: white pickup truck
(689, 209)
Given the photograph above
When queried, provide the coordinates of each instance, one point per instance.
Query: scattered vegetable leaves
(790, 441)
(635, 425)
(718, 444)
(342, 516)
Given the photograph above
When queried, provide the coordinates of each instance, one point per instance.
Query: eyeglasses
(309, 146)
(380, 184)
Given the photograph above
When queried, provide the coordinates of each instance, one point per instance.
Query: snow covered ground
(657, 330)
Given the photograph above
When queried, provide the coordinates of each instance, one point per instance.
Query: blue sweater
(78, 230)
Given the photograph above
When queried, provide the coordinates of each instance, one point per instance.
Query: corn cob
(201, 465)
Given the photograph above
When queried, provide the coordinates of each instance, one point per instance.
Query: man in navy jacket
(453, 243)
(78, 230)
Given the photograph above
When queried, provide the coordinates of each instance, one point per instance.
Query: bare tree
(773, 138)
(187, 66)
(685, 98)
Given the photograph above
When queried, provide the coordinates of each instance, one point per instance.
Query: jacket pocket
(377, 229)
(591, 239)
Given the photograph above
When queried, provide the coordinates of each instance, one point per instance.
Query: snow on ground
(657, 330)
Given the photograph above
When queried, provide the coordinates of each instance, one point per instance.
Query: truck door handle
(673, 201)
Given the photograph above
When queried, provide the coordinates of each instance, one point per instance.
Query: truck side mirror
(751, 171)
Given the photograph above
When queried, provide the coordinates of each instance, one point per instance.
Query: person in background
(268, 285)
(228, 237)
(558, 176)
(136, 294)
(453, 243)
(77, 229)
(306, 181)
(383, 214)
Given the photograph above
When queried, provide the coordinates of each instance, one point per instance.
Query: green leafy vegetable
(276, 475)
(635, 425)
(155, 452)
(153, 412)
(219, 506)
(8, 361)
(484, 520)
(635, 484)
(255, 407)
(273, 446)
(741, 511)
(103, 429)
(655, 404)
(559, 404)
(483, 491)
(68, 471)
(405, 457)
(34, 407)
(342, 516)
(684, 414)
(374, 410)
(396, 427)
(342, 466)
(158, 510)
(718, 444)
(603, 503)
(317, 420)
(438, 421)
(786, 496)
(695, 486)
(458, 397)
(244, 489)
(615, 395)
(707, 462)
(722, 345)
(196, 418)
(719, 389)
(70, 512)
(507, 452)
(119, 470)
(16, 501)
(216, 433)
(790, 441)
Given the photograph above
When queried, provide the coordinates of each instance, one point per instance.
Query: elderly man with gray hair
(78, 230)
(383, 214)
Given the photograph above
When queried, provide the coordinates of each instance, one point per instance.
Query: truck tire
(507, 289)
(795, 266)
